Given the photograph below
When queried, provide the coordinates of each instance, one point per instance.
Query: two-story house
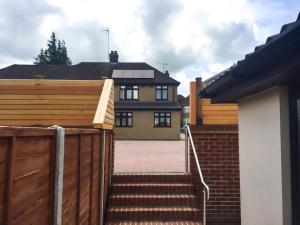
(146, 105)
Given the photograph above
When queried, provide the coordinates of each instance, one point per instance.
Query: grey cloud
(86, 41)
(231, 42)
(19, 24)
(157, 15)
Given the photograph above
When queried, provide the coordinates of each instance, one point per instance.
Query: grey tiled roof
(85, 71)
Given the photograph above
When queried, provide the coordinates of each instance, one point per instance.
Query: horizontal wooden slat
(66, 91)
(43, 117)
(48, 102)
(45, 107)
(220, 107)
(46, 82)
(212, 121)
(62, 97)
(47, 112)
(220, 113)
(46, 122)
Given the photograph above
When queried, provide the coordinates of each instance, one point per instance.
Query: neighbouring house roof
(183, 101)
(147, 105)
(277, 62)
(86, 71)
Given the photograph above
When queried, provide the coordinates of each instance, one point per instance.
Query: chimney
(113, 57)
(167, 73)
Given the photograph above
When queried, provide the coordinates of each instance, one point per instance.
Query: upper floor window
(129, 92)
(162, 119)
(161, 92)
(124, 119)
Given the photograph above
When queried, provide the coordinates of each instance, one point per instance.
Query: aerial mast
(107, 31)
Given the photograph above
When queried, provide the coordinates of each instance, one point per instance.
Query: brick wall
(217, 149)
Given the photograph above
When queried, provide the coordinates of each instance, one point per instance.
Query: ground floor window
(162, 119)
(124, 119)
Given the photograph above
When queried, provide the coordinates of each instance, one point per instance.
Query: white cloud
(195, 37)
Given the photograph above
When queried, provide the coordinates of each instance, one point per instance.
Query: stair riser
(151, 178)
(188, 202)
(151, 190)
(146, 215)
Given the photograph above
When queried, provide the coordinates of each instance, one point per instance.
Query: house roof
(183, 101)
(86, 71)
(276, 62)
(140, 105)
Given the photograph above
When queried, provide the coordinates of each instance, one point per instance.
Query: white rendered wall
(265, 158)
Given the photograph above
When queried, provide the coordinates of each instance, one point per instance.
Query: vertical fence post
(102, 173)
(59, 173)
(10, 178)
(110, 158)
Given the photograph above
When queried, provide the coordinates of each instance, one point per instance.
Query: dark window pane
(118, 122)
(135, 94)
(128, 94)
(168, 122)
(165, 94)
(122, 94)
(158, 94)
(129, 121)
(156, 121)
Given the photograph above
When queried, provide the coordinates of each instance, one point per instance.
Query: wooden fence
(28, 182)
(203, 112)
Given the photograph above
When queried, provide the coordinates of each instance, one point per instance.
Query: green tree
(55, 54)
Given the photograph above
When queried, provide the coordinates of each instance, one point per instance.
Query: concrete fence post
(59, 173)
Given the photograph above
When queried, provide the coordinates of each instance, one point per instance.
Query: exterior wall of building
(265, 158)
(218, 153)
(147, 93)
(143, 127)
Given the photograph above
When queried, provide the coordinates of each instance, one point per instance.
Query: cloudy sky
(194, 37)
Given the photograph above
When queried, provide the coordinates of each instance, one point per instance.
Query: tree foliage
(55, 54)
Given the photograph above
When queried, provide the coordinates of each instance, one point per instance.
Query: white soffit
(133, 74)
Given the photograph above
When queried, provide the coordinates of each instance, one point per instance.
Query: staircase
(153, 199)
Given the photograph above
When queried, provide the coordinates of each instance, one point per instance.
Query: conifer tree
(55, 54)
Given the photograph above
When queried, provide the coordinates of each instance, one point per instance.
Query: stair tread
(152, 222)
(149, 208)
(152, 184)
(152, 196)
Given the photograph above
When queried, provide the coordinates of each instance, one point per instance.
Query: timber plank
(49, 97)
(47, 102)
(47, 112)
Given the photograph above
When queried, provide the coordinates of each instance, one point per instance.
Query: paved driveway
(149, 156)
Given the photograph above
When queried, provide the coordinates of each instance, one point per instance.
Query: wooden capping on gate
(104, 116)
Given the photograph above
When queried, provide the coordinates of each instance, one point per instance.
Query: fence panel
(27, 173)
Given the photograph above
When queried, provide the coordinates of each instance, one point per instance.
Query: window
(124, 119)
(162, 119)
(129, 92)
(161, 92)
(186, 109)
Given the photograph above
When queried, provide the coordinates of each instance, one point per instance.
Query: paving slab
(149, 156)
